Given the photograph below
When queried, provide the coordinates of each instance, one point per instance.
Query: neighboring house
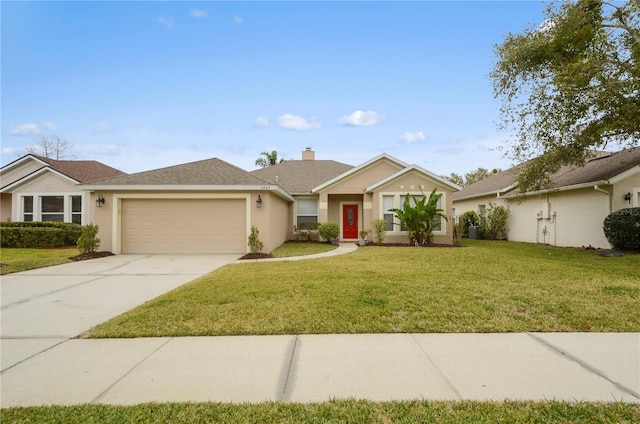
(209, 206)
(35, 188)
(571, 214)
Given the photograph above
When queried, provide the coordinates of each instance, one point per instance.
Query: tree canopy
(472, 176)
(52, 148)
(570, 86)
(268, 159)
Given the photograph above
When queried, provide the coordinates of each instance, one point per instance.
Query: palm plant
(268, 159)
(420, 215)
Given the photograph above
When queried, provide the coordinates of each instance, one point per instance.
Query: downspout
(597, 188)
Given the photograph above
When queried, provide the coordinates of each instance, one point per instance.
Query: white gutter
(176, 187)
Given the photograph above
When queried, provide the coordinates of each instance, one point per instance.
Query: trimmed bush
(32, 237)
(622, 229)
(88, 241)
(305, 230)
(329, 230)
(71, 231)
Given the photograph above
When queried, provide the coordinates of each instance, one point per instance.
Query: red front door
(349, 221)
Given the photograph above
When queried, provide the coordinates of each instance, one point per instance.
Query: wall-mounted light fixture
(627, 197)
(100, 201)
(259, 202)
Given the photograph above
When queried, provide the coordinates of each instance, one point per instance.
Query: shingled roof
(81, 170)
(603, 167)
(300, 176)
(209, 172)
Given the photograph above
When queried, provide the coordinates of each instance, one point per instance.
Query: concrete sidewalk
(343, 248)
(310, 368)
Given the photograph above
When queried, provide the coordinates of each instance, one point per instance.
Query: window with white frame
(306, 210)
(52, 207)
(27, 208)
(387, 214)
(76, 209)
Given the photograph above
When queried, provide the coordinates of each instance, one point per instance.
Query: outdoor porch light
(100, 201)
(259, 202)
(627, 197)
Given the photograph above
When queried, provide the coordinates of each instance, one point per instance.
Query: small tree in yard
(379, 230)
(88, 242)
(494, 221)
(255, 245)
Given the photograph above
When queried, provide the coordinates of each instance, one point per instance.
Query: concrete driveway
(43, 307)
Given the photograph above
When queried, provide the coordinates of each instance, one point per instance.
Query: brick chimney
(308, 154)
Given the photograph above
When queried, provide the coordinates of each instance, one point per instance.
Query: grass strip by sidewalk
(337, 411)
(17, 260)
(484, 287)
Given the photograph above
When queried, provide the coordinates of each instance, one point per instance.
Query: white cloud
(412, 137)
(168, 22)
(102, 128)
(261, 122)
(32, 129)
(293, 122)
(11, 150)
(199, 13)
(238, 19)
(361, 119)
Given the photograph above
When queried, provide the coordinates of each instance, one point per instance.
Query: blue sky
(142, 85)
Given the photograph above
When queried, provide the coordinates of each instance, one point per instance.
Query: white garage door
(183, 226)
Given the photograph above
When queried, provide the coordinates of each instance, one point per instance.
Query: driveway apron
(44, 307)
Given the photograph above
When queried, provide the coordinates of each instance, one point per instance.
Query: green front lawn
(289, 249)
(485, 286)
(16, 260)
(338, 411)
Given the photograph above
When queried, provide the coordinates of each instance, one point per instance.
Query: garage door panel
(183, 226)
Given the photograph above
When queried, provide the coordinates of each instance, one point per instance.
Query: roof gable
(360, 168)
(76, 171)
(414, 169)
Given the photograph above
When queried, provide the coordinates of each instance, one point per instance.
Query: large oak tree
(570, 86)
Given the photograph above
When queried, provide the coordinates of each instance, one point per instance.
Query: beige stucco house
(35, 188)
(570, 215)
(210, 206)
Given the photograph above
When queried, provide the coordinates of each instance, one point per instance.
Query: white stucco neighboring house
(569, 215)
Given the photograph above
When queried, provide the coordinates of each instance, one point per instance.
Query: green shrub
(469, 218)
(379, 230)
(255, 245)
(622, 229)
(305, 230)
(32, 237)
(329, 230)
(88, 241)
(71, 231)
(494, 222)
